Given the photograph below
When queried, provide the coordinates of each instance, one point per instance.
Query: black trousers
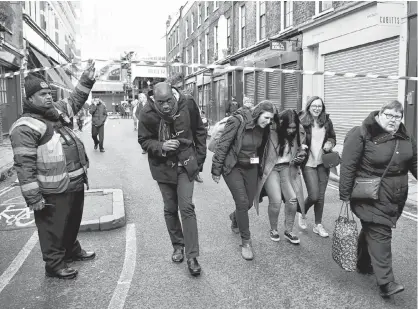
(242, 182)
(98, 131)
(180, 197)
(58, 228)
(375, 249)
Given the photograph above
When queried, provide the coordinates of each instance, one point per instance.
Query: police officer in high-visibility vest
(51, 165)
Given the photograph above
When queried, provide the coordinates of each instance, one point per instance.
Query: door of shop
(350, 100)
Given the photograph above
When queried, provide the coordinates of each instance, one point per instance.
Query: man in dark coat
(51, 165)
(171, 131)
(99, 116)
(380, 143)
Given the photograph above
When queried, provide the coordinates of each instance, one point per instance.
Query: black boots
(390, 288)
(178, 255)
(194, 267)
(64, 273)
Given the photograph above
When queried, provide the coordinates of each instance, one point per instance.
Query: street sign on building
(274, 45)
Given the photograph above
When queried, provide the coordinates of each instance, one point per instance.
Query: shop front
(366, 41)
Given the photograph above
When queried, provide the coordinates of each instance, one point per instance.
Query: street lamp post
(167, 24)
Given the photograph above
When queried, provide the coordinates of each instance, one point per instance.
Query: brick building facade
(11, 55)
(240, 33)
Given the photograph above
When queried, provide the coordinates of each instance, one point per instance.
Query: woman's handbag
(331, 159)
(344, 240)
(368, 188)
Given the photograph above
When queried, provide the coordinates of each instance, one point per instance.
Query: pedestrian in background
(380, 147)
(237, 158)
(281, 173)
(135, 103)
(171, 131)
(320, 138)
(232, 108)
(51, 165)
(80, 119)
(99, 116)
(142, 98)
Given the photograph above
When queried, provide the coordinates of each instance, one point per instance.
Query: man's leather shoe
(178, 255)
(82, 256)
(102, 150)
(390, 288)
(95, 146)
(63, 273)
(194, 267)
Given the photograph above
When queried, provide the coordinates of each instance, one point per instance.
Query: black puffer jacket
(368, 156)
(230, 142)
(190, 132)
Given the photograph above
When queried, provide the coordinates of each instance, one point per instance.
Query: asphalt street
(133, 268)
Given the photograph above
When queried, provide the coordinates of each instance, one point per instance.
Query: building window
(207, 47)
(242, 27)
(324, 5)
(178, 35)
(215, 39)
(199, 52)
(262, 19)
(228, 33)
(186, 25)
(3, 89)
(192, 22)
(200, 15)
(56, 31)
(206, 10)
(187, 61)
(42, 12)
(193, 61)
(215, 5)
(288, 11)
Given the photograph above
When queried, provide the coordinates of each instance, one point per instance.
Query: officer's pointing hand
(89, 72)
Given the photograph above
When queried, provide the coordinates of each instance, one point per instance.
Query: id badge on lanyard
(254, 160)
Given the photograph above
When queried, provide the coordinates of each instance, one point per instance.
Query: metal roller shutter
(290, 87)
(350, 100)
(249, 85)
(274, 89)
(261, 87)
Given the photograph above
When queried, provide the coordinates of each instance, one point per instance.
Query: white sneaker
(302, 222)
(319, 229)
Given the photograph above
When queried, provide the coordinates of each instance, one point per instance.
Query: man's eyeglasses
(394, 117)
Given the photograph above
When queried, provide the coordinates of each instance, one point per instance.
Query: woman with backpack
(238, 155)
(281, 173)
(320, 138)
(379, 151)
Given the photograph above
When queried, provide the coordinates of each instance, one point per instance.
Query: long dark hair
(283, 120)
(307, 118)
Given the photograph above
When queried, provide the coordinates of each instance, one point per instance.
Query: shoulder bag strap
(391, 159)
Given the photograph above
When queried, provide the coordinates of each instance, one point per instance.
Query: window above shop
(215, 5)
(322, 8)
(286, 15)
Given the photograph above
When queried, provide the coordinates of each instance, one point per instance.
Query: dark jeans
(98, 131)
(58, 227)
(316, 180)
(179, 197)
(375, 248)
(242, 182)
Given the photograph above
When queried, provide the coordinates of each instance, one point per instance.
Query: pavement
(103, 208)
(133, 267)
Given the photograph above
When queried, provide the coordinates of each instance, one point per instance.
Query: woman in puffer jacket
(368, 151)
(237, 158)
(281, 177)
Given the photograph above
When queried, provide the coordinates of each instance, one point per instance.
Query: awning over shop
(65, 77)
(104, 86)
(56, 79)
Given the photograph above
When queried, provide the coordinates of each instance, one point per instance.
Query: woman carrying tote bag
(382, 151)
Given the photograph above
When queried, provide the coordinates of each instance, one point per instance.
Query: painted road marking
(125, 279)
(18, 261)
(8, 190)
(405, 214)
